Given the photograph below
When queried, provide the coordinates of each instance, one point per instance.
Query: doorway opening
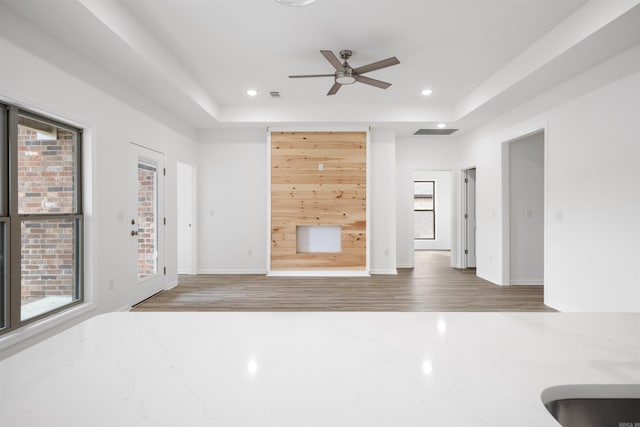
(524, 204)
(432, 213)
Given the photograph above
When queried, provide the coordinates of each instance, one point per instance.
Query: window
(424, 215)
(40, 218)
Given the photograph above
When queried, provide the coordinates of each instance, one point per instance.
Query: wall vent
(435, 131)
(274, 94)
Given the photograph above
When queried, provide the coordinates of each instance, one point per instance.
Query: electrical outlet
(112, 284)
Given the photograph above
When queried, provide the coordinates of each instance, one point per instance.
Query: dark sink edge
(590, 391)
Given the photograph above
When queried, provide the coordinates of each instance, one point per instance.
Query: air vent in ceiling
(274, 94)
(435, 131)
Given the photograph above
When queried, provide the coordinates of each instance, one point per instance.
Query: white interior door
(146, 173)
(186, 219)
(470, 218)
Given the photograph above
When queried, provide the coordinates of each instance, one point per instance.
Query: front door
(147, 223)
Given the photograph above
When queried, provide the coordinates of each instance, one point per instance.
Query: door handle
(134, 233)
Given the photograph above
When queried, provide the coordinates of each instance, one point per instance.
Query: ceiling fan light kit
(346, 75)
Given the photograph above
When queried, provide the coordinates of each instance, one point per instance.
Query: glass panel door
(147, 219)
(147, 222)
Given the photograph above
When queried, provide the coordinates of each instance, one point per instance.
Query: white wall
(591, 226)
(110, 125)
(420, 153)
(526, 210)
(442, 206)
(232, 201)
(382, 170)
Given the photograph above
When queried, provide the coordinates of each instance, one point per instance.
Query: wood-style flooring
(431, 286)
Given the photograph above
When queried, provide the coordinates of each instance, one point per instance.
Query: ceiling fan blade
(333, 59)
(377, 65)
(334, 89)
(304, 76)
(373, 82)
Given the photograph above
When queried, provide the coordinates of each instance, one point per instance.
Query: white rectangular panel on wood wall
(320, 179)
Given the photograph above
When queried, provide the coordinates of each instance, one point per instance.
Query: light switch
(559, 216)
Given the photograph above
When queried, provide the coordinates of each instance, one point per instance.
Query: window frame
(13, 219)
(433, 208)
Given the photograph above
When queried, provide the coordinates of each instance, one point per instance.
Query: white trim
(36, 328)
(489, 278)
(147, 148)
(545, 212)
(391, 271)
(368, 201)
(340, 128)
(268, 181)
(320, 128)
(223, 271)
(560, 307)
(124, 308)
(194, 199)
(505, 186)
(171, 285)
(90, 240)
(527, 282)
(320, 273)
(404, 266)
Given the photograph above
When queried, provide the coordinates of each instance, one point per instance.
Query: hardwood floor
(431, 286)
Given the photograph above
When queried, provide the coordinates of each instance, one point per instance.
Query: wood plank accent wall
(303, 195)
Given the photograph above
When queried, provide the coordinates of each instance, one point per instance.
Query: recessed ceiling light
(441, 125)
(427, 92)
(252, 92)
(296, 2)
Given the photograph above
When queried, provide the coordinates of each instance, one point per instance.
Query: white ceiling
(196, 58)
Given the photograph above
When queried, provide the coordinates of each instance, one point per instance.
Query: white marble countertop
(314, 369)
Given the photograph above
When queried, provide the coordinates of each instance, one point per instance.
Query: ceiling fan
(346, 75)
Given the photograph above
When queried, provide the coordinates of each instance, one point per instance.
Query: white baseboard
(124, 308)
(171, 285)
(215, 271)
(527, 282)
(558, 306)
(404, 266)
(489, 278)
(319, 273)
(387, 271)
